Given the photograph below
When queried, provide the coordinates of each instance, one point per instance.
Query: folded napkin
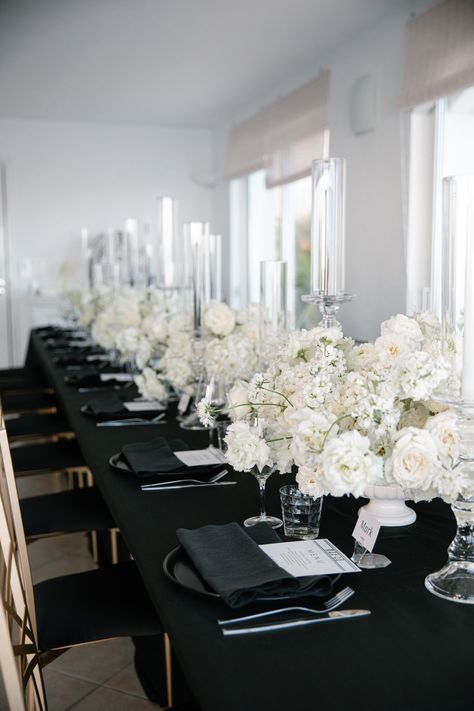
(155, 457)
(91, 378)
(230, 561)
(107, 404)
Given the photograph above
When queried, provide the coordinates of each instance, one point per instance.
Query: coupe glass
(261, 476)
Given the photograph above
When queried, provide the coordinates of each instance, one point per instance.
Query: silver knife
(298, 622)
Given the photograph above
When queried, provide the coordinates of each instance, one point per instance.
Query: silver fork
(160, 485)
(329, 605)
(132, 421)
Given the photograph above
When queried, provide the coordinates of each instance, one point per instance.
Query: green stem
(339, 419)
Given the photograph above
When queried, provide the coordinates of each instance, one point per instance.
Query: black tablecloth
(413, 653)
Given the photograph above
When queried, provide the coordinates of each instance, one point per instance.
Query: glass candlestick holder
(328, 306)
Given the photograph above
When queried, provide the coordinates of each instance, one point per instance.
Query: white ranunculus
(219, 319)
(442, 428)
(348, 465)
(246, 448)
(237, 399)
(309, 483)
(414, 463)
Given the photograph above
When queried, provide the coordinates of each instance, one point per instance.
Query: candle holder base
(329, 305)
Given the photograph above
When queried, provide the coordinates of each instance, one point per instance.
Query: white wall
(62, 176)
(375, 240)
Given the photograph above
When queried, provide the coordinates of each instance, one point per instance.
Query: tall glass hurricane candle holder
(456, 580)
(214, 268)
(328, 239)
(273, 321)
(197, 240)
(169, 246)
(131, 241)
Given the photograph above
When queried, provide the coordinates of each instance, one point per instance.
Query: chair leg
(114, 545)
(94, 547)
(169, 670)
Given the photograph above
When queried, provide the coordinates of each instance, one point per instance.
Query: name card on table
(366, 530)
(144, 406)
(318, 557)
(201, 457)
(119, 377)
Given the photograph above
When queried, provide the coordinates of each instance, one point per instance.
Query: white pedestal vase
(387, 504)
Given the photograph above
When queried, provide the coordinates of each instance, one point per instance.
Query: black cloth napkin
(91, 378)
(76, 359)
(107, 404)
(156, 457)
(230, 561)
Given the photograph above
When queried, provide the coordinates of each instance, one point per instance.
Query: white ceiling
(169, 62)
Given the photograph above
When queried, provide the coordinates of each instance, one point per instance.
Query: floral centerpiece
(230, 348)
(350, 416)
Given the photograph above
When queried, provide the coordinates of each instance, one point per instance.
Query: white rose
(403, 327)
(309, 483)
(442, 428)
(219, 319)
(348, 465)
(237, 397)
(414, 463)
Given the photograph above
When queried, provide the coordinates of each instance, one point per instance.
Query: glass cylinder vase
(455, 581)
(328, 235)
(273, 319)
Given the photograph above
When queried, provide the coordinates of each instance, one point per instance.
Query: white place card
(201, 457)
(366, 530)
(97, 357)
(183, 403)
(144, 406)
(119, 377)
(318, 557)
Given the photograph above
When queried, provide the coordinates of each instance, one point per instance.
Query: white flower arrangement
(350, 416)
(230, 348)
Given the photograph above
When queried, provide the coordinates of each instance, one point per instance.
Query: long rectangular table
(414, 651)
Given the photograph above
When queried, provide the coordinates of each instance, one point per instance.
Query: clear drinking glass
(301, 513)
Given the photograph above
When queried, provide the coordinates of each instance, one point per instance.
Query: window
(270, 224)
(441, 144)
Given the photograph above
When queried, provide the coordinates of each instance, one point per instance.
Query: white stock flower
(219, 319)
(205, 411)
(348, 465)
(442, 428)
(361, 357)
(414, 463)
(246, 448)
(420, 375)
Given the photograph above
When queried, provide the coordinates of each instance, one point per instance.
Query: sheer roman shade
(440, 53)
(297, 132)
(246, 146)
(284, 138)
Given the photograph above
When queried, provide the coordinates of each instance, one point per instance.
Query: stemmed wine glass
(261, 476)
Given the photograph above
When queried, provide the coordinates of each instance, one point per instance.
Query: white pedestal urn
(387, 504)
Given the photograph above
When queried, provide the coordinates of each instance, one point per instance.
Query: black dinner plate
(179, 568)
